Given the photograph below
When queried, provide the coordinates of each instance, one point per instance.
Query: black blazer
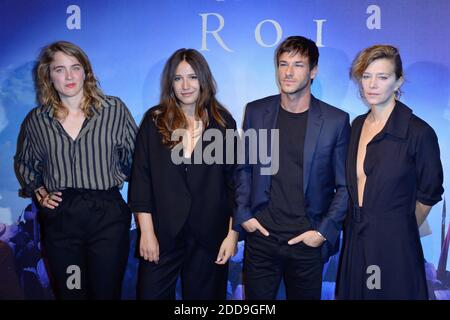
(201, 195)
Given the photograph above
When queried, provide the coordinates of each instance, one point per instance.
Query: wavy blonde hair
(46, 92)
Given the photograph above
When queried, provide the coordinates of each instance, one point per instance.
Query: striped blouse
(98, 159)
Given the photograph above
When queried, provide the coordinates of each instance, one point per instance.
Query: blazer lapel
(312, 136)
(269, 123)
(352, 181)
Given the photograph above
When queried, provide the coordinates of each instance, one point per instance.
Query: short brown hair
(370, 54)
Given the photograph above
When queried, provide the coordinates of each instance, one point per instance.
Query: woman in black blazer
(182, 192)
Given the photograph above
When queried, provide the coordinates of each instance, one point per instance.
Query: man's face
(294, 74)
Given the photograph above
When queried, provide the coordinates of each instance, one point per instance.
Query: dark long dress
(402, 166)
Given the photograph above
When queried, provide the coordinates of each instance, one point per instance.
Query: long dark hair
(169, 116)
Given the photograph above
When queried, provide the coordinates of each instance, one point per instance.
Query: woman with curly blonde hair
(73, 155)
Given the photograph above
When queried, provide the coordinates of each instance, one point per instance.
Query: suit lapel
(352, 157)
(270, 119)
(312, 136)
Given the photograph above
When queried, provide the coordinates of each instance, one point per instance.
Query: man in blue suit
(293, 216)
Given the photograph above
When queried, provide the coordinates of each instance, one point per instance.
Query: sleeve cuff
(426, 200)
(27, 191)
(328, 232)
(240, 218)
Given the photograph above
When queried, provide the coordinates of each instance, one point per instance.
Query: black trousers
(267, 260)
(86, 243)
(201, 277)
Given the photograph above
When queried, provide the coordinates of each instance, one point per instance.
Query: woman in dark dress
(183, 201)
(394, 176)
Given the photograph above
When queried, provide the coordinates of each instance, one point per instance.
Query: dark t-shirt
(284, 217)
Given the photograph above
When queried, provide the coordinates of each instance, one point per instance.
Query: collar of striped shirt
(49, 109)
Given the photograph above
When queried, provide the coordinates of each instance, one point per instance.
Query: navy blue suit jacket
(325, 151)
